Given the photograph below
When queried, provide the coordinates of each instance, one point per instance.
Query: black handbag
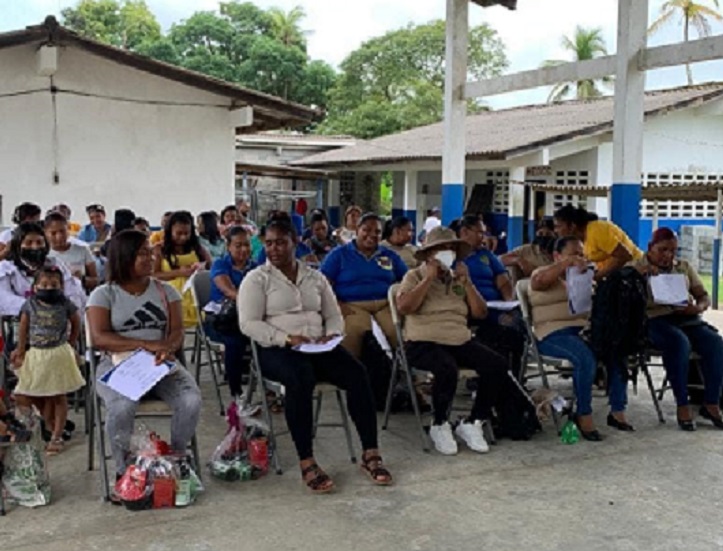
(225, 322)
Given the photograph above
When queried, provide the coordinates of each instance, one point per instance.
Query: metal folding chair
(201, 292)
(8, 325)
(400, 366)
(258, 382)
(148, 409)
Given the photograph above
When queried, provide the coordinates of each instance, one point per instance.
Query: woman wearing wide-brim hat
(436, 299)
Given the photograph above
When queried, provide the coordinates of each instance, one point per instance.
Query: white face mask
(446, 258)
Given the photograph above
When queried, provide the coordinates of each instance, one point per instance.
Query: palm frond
(662, 20)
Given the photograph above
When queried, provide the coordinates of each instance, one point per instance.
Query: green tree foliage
(396, 81)
(124, 24)
(692, 14)
(241, 43)
(585, 44)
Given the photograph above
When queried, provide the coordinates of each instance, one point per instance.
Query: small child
(45, 357)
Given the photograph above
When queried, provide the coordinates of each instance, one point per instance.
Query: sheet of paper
(212, 307)
(189, 284)
(670, 289)
(318, 348)
(579, 290)
(504, 305)
(136, 375)
(381, 338)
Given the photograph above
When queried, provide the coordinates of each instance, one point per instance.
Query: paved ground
(657, 489)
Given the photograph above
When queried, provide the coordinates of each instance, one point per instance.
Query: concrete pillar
(319, 193)
(398, 194)
(516, 208)
(629, 112)
(333, 199)
(409, 207)
(455, 110)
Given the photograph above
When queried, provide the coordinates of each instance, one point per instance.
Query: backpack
(516, 416)
(618, 322)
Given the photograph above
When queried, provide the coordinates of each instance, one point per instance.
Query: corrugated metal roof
(498, 135)
(270, 112)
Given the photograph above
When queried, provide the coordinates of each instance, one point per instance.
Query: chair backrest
(523, 295)
(201, 288)
(86, 329)
(392, 297)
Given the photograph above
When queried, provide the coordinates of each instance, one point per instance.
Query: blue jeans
(233, 357)
(676, 344)
(566, 343)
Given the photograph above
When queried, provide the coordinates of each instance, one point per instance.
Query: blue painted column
(629, 114)
(516, 208)
(455, 110)
(409, 205)
(333, 199)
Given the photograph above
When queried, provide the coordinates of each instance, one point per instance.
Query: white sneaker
(443, 440)
(472, 435)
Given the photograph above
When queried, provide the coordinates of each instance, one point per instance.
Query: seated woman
(178, 258)
(558, 335)
(608, 246)
(319, 242)
(525, 259)
(209, 235)
(361, 273)
(24, 212)
(397, 236)
(27, 253)
(76, 257)
(437, 301)
(134, 310)
(227, 273)
(678, 331)
(302, 252)
(317, 214)
(283, 304)
(347, 233)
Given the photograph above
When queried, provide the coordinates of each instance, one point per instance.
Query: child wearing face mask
(45, 357)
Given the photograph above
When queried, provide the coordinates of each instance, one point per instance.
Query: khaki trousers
(359, 321)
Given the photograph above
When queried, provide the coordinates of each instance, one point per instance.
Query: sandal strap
(372, 459)
(380, 472)
(310, 469)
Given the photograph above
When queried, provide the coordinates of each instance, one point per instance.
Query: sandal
(373, 468)
(54, 447)
(319, 484)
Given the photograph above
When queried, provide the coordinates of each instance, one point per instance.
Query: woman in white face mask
(436, 299)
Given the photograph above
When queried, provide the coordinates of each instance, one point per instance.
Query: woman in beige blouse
(282, 305)
(397, 236)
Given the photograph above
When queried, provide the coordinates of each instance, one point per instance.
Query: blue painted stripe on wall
(515, 231)
(334, 216)
(646, 227)
(397, 212)
(452, 202)
(625, 207)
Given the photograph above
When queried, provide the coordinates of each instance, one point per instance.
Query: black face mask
(50, 296)
(35, 257)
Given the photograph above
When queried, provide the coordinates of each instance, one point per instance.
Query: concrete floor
(657, 489)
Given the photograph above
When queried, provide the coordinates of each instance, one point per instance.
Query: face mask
(33, 256)
(49, 296)
(446, 258)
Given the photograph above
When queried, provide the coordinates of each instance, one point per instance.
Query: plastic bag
(232, 459)
(569, 433)
(26, 477)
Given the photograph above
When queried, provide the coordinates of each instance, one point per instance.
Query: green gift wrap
(570, 434)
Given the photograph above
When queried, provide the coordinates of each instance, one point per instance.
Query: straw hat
(442, 238)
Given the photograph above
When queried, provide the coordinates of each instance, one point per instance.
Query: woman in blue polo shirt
(227, 273)
(502, 330)
(361, 273)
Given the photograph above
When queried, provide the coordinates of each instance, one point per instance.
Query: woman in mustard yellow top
(178, 258)
(604, 243)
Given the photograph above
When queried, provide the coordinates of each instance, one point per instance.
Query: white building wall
(148, 157)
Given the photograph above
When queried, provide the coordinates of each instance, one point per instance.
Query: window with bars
(679, 209)
(501, 180)
(570, 178)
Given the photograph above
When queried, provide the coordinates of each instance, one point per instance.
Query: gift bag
(26, 479)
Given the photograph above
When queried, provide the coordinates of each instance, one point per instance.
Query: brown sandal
(55, 447)
(319, 484)
(379, 475)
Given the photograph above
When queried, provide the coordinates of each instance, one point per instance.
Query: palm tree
(692, 13)
(285, 26)
(584, 45)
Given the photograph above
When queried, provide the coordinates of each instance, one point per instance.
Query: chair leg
(212, 359)
(268, 419)
(663, 388)
(417, 411)
(341, 400)
(390, 391)
(651, 387)
(90, 420)
(317, 413)
(102, 457)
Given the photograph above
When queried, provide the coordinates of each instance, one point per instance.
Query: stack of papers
(318, 348)
(579, 290)
(135, 376)
(669, 289)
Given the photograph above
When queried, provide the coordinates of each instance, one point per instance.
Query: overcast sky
(531, 34)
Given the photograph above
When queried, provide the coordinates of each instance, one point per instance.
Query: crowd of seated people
(295, 285)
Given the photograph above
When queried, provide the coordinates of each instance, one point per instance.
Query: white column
(455, 110)
(629, 112)
(516, 208)
(411, 178)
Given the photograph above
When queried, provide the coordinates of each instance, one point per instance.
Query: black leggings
(299, 373)
(444, 362)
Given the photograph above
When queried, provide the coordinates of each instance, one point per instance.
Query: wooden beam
(671, 55)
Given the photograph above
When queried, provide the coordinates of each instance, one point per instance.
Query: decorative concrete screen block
(570, 178)
(679, 209)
